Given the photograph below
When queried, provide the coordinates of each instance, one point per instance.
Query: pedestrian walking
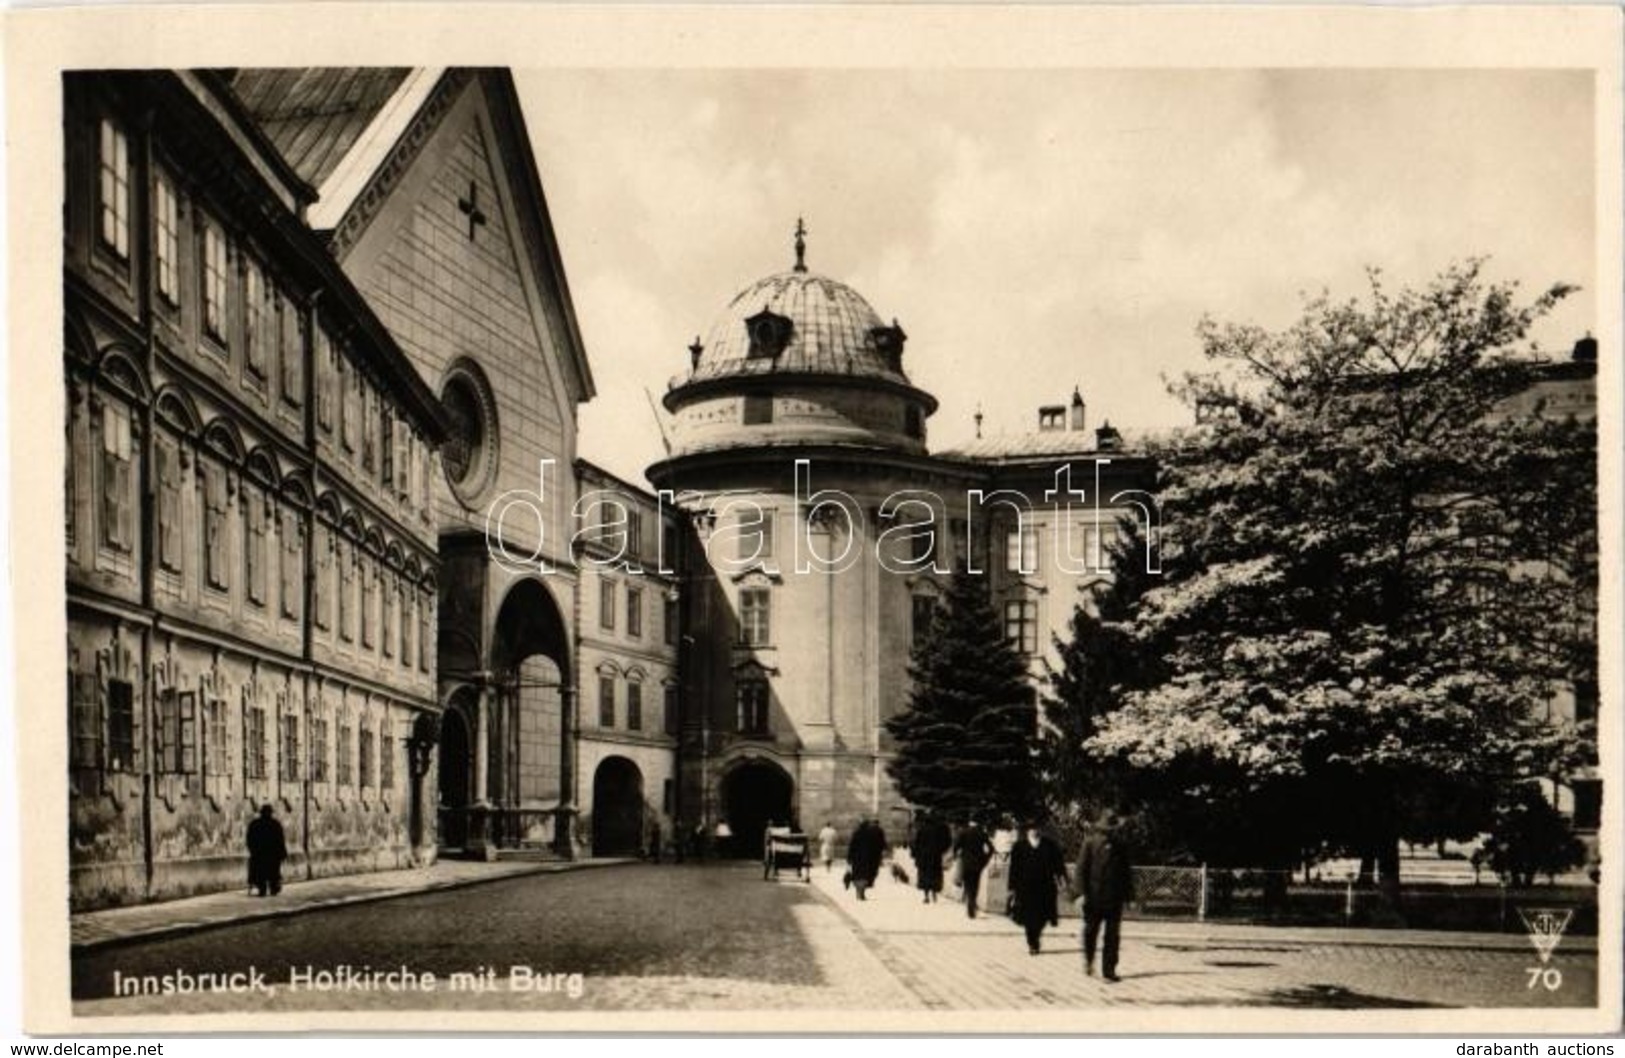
(654, 843)
(974, 852)
(864, 854)
(931, 843)
(1105, 882)
(826, 846)
(267, 848)
(724, 846)
(1037, 871)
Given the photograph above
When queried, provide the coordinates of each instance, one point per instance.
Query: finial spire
(801, 246)
(978, 422)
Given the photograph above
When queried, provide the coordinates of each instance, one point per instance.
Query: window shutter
(187, 711)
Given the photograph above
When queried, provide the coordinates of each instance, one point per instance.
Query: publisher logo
(1545, 926)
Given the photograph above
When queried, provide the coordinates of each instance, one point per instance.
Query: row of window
(609, 593)
(193, 738)
(609, 713)
(349, 408)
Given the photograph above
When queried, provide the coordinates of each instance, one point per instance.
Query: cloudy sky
(1036, 230)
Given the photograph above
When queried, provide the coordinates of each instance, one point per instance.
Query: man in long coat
(267, 848)
(1037, 871)
(1106, 881)
(974, 851)
(932, 840)
(863, 855)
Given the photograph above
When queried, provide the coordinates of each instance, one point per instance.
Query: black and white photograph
(592, 539)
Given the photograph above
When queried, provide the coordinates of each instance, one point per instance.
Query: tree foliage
(1374, 581)
(964, 745)
(1529, 837)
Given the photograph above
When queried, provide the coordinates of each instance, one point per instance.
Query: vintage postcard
(817, 519)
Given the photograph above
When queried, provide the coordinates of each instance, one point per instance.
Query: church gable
(439, 244)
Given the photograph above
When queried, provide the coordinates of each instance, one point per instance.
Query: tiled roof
(832, 331)
(1045, 443)
(314, 116)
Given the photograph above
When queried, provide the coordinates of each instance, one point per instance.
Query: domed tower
(795, 428)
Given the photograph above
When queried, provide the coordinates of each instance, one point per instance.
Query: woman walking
(1037, 871)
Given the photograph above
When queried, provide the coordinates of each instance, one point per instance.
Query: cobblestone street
(718, 938)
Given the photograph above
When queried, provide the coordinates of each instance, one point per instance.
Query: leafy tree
(964, 745)
(1351, 627)
(1530, 837)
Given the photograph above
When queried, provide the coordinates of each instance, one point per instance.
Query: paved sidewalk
(93, 929)
(893, 907)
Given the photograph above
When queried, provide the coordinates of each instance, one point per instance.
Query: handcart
(785, 850)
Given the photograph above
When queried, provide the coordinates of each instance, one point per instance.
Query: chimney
(1585, 350)
(1107, 439)
(1076, 422)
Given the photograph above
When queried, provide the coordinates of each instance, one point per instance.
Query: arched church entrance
(528, 760)
(755, 794)
(617, 808)
(456, 766)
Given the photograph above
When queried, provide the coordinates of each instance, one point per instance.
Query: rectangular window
(86, 720)
(115, 188)
(669, 620)
(668, 709)
(425, 640)
(346, 753)
(215, 546)
(322, 589)
(756, 537)
(369, 427)
(368, 590)
(292, 356)
(217, 760)
(634, 534)
(177, 732)
(634, 707)
(118, 530)
(293, 565)
(1021, 551)
(606, 604)
(254, 545)
(606, 701)
(402, 461)
(758, 411)
(634, 612)
(753, 707)
(386, 457)
(364, 765)
(120, 726)
(754, 625)
(167, 455)
(327, 371)
(386, 757)
(1021, 625)
(255, 326)
(349, 382)
(923, 614)
(406, 625)
(214, 280)
(318, 749)
(347, 568)
(253, 742)
(166, 248)
(288, 756)
(386, 625)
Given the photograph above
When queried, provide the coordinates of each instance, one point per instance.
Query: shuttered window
(215, 546)
(169, 504)
(114, 198)
(118, 529)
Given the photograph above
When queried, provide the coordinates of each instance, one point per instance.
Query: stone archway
(755, 794)
(617, 808)
(531, 780)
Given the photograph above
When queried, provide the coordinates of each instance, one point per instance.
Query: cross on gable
(471, 208)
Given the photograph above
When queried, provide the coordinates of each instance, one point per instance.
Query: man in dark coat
(931, 843)
(266, 850)
(1105, 880)
(1037, 871)
(974, 851)
(863, 855)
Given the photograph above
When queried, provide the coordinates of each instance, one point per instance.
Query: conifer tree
(965, 744)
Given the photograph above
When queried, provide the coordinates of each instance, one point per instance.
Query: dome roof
(800, 322)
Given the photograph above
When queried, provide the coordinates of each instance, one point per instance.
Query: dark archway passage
(455, 781)
(754, 795)
(617, 808)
